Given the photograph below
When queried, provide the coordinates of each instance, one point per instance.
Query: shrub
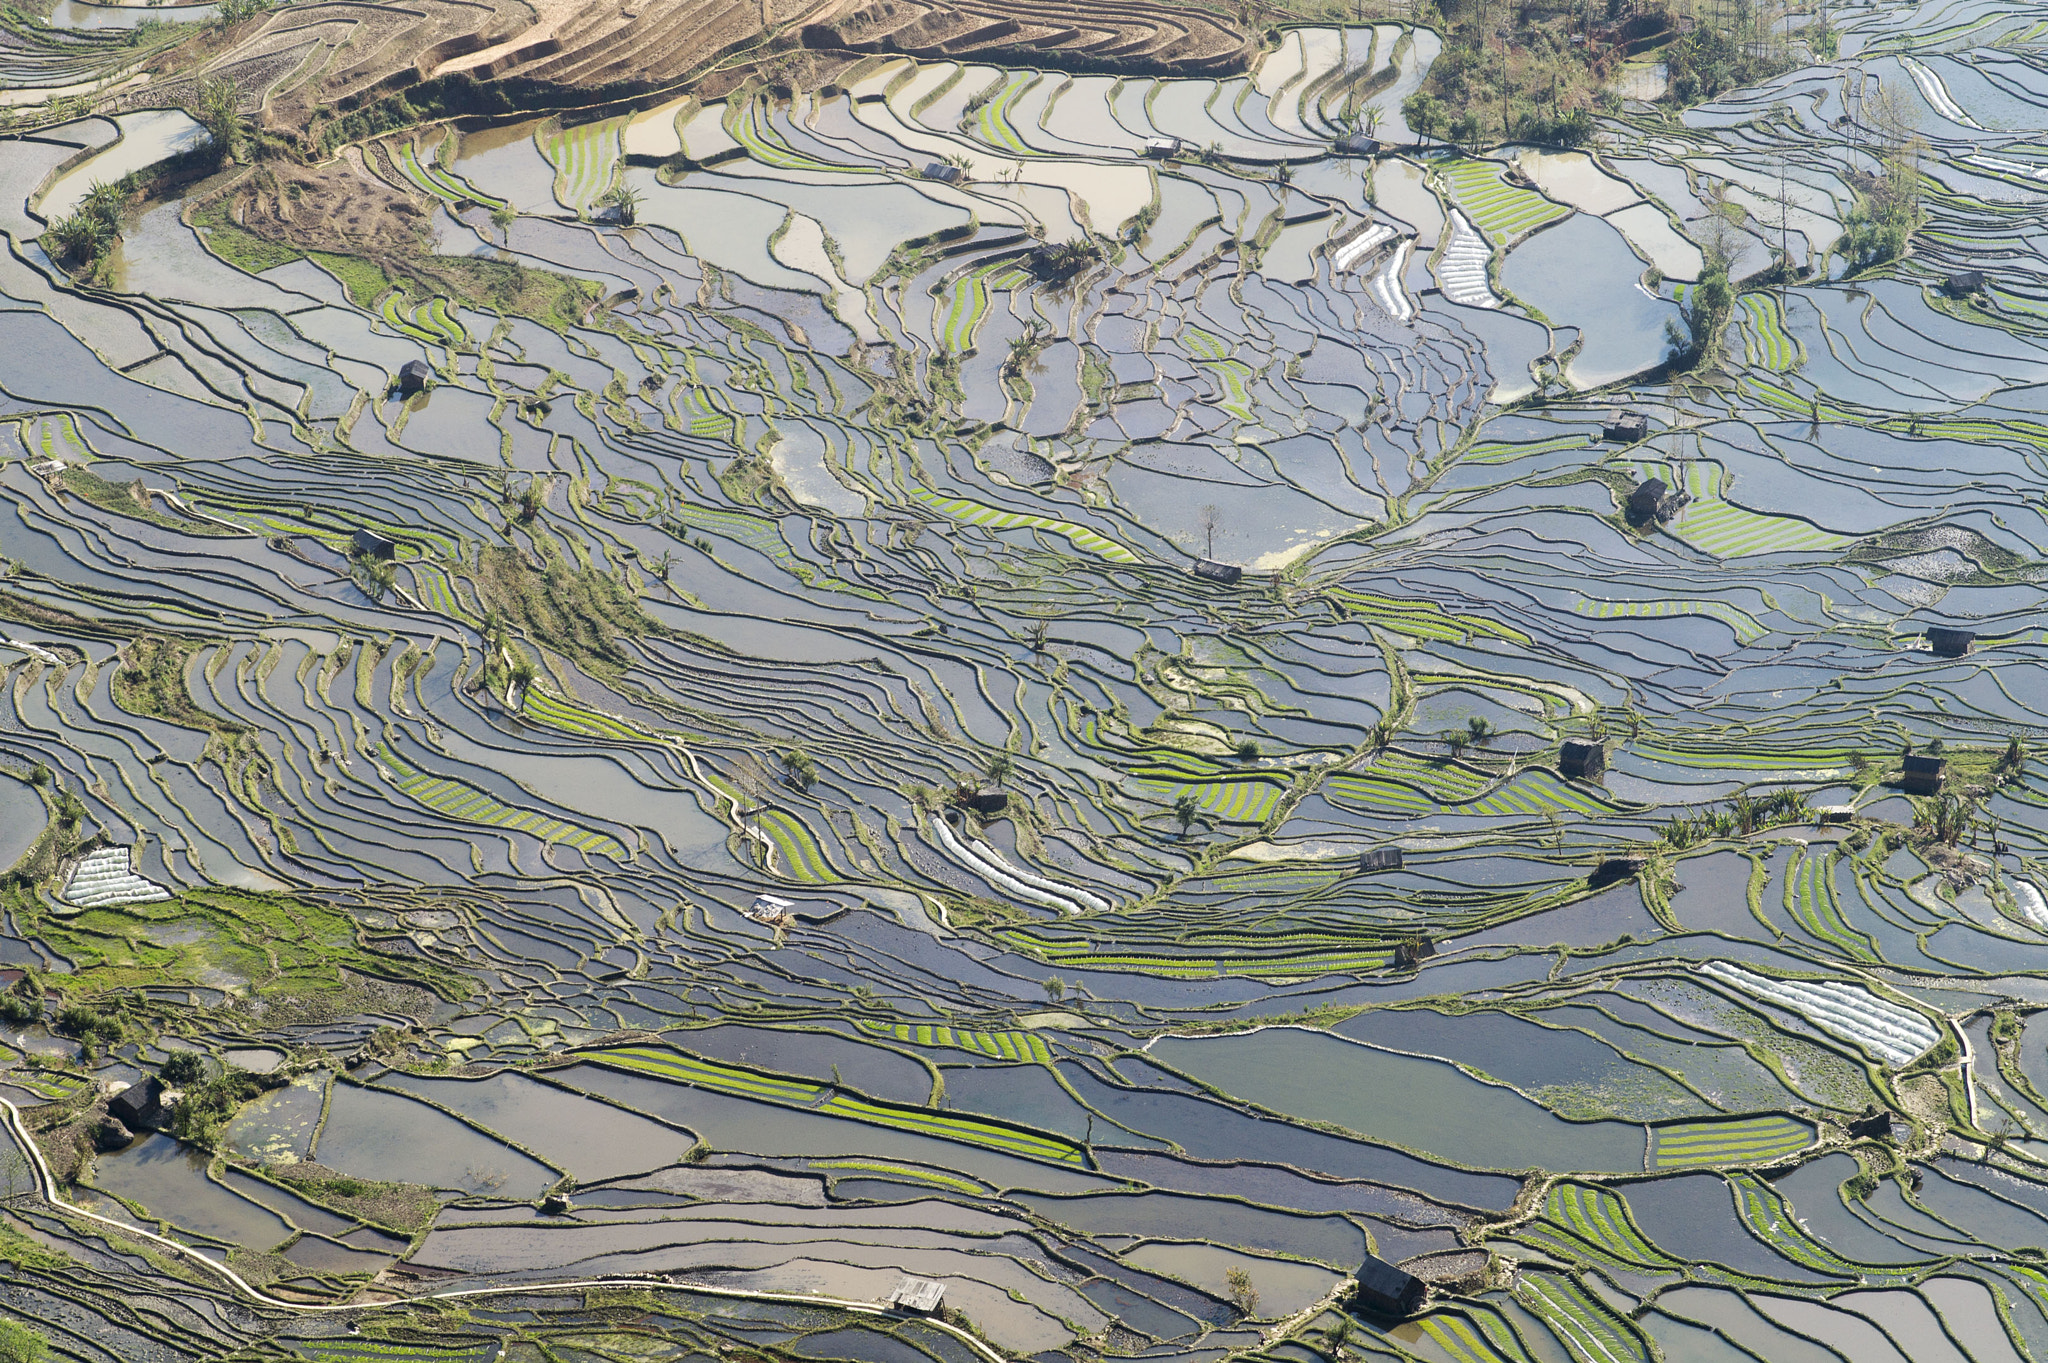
(89, 1024)
(182, 1069)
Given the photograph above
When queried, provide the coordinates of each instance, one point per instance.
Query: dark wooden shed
(1923, 775)
(1875, 1122)
(1653, 500)
(945, 174)
(1964, 283)
(1626, 427)
(139, 1106)
(1356, 144)
(413, 376)
(1951, 643)
(1582, 761)
(983, 801)
(1410, 955)
(370, 544)
(1386, 1290)
(1162, 148)
(1217, 572)
(1381, 859)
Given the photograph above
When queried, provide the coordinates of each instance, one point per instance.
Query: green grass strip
(993, 518)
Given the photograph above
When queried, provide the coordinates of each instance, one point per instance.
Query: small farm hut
(1386, 1290)
(1582, 761)
(1923, 775)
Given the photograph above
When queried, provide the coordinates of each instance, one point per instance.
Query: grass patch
(270, 945)
(579, 613)
(404, 1207)
(236, 244)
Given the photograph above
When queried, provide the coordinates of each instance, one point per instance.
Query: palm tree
(624, 201)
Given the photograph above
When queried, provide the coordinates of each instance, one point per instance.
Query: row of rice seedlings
(1725, 530)
(1539, 793)
(1765, 341)
(798, 855)
(1811, 899)
(1601, 1219)
(994, 518)
(1748, 629)
(1587, 1325)
(1748, 1140)
(1425, 620)
(970, 302)
(465, 802)
(1011, 1140)
(688, 1069)
(992, 120)
(911, 1172)
(435, 179)
(1764, 1211)
(585, 159)
(1508, 451)
(1234, 376)
(1501, 210)
(1474, 1334)
(1023, 1046)
(1239, 802)
(745, 122)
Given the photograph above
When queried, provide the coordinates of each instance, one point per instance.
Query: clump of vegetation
(22, 1002)
(1716, 57)
(579, 613)
(1745, 815)
(208, 1104)
(403, 1207)
(151, 683)
(182, 1068)
(85, 239)
(90, 1025)
(18, 1343)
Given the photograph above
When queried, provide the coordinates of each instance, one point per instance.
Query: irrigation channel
(1116, 733)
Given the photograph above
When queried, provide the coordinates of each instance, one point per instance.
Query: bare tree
(1210, 519)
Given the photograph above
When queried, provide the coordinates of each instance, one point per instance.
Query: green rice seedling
(1586, 1324)
(975, 513)
(1750, 1140)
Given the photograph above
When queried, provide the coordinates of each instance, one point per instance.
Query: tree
(1246, 749)
(182, 1068)
(799, 770)
(1479, 729)
(502, 218)
(19, 1344)
(1243, 1295)
(1055, 988)
(1185, 810)
(624, 202)
(1210, 519)
(17, 1175)
(1425, 114)
(999, 766)
(219, 104)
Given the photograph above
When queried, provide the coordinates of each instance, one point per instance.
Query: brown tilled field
(339, 207)
(336, 55)
(1139, 36)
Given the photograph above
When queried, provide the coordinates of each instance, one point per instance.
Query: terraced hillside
(948, 694)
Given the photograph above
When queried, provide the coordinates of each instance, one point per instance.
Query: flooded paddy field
(826, 685)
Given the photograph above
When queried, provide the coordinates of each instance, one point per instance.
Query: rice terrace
(944, 681)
